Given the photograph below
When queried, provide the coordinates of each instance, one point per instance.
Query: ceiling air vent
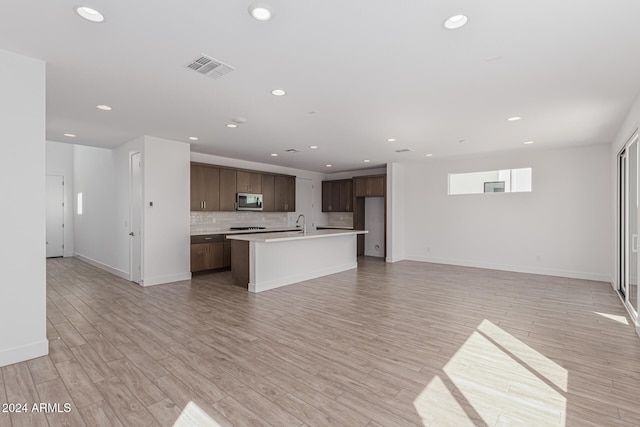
(210, 67)
(293, 150)
(404, 150)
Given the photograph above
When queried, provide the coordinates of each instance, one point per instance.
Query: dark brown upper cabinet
(205, 188)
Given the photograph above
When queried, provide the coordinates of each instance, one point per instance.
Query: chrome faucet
(304, 223)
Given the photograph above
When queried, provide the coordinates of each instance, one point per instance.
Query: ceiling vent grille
(210, 67)
(293, 150)
(404, 150)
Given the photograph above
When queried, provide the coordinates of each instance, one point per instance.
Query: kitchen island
(260, 262)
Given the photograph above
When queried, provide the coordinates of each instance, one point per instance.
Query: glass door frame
(622, 238)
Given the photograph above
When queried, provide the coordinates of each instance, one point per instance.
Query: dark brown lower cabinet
(209, 253)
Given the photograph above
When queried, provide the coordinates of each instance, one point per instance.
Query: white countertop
(265, 230)
(294, 235)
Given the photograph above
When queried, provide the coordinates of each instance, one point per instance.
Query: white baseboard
(272, 284)
(161, 280)
(394, 259)
(515, 268)
(25, 352)
(112, 270)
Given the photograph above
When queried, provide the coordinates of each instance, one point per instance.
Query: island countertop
(294, 235)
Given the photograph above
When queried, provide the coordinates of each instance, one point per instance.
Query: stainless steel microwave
(248, 202)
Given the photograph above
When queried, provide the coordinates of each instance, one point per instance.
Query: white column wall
(23, 332)
(167, 223)
(395, 212)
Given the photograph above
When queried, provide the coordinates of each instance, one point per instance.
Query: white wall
(561, 228)
(22, 253)
(59, 161)
(350, 174)
(167, 223)
(95, 233)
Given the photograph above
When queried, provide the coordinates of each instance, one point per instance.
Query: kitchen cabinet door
(207, 256)
(268, 193)
(370, 186)
(331, 196)
(205, 188)
(376, 185)
(346, 195)
(248, 182)
(227, 189)
(285, 193)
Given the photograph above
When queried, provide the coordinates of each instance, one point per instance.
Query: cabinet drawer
(207, 238)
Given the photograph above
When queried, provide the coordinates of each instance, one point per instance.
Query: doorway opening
(55, 216)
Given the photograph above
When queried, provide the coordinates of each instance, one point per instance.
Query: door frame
(132, 212)
(64, 206)
(622, 225)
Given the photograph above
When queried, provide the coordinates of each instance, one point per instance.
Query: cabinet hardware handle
(205, 204)
(208, 238)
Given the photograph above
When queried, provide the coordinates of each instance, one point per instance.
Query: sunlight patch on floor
(614, 317)
(193, 415)
(437, 406)
(496, 378)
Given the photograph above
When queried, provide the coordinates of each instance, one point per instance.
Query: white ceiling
(372, 70)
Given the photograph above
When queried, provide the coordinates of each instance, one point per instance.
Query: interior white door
(135, 230)
(55, 216)
(304, 201)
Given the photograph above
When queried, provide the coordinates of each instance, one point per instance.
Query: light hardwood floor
(400, 344)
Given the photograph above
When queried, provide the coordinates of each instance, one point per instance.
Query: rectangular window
(79, 203)
(498, 181)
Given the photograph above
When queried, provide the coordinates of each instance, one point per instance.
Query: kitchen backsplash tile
(203, 222)
(340, 219)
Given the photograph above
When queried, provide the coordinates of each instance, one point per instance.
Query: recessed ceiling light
(274, 154)
(89, 14)
(70, 135)
(528, 142)
(104, 107)
(391, 140)
(367, 161)
(329, 166)
(313, 147)
(428, 155)
(278, 92)
(514, 118)
(455, 22)
(232, 125)
(260, 11)
(193, 138)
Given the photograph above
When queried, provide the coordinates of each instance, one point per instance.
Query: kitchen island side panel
(276, 264)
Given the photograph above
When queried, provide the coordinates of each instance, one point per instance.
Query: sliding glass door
(628, 195)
